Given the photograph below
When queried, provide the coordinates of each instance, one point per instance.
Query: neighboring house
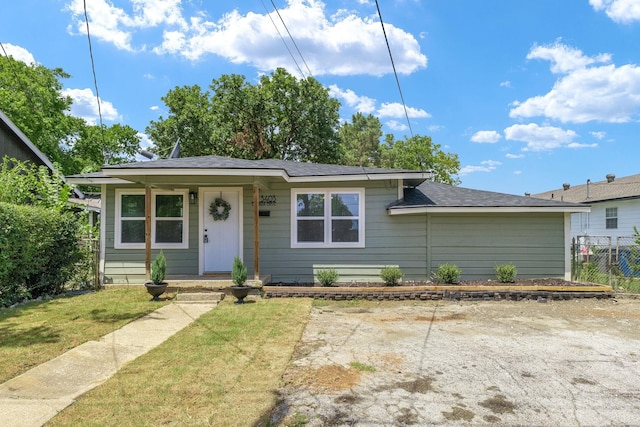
(15, 144)
(615, 206)
(285, 218)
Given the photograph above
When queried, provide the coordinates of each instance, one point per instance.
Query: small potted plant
(157, 286)
(240, 289)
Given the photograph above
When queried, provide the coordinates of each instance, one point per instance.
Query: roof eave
(485, 209)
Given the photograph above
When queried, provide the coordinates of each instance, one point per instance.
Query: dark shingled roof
(627, 187)
(433, 194)
(292, 168)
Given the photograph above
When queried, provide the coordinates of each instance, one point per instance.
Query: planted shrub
(238, 272)
(447, 273)
(158, 269)
(506, 273)
(328, 277)
(391, 275)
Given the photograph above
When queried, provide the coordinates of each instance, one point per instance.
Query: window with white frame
(169, 219)
(327, 218)
(611, 218)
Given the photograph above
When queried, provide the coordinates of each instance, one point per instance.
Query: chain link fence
(606, 260)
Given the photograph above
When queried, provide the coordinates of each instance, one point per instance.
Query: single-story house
(285, 218)
(615, 206)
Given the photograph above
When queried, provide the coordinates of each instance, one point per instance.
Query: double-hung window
(169, 219)
(611, 218)
(327, 218)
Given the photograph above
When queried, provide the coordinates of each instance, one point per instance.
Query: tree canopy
(32, 97)
(361, 140)
(280, 117)
(420, 153)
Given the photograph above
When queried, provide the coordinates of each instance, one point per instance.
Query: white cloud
(396, 110)
(344, 43)
(396, 125)
(18, 53)
(584, 93)
(435, 128)
(485, 166)
(598, 135)
(540, 138)
(578, 145)
(362, 104)
(117, 26)
(514, 156)
(85, 106)
(621, 11)
(517, 172)
(505, 83)
(154, 108)
(486, 136)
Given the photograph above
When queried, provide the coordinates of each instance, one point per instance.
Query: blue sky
(530, 94)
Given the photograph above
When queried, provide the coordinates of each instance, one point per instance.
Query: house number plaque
(267, 200)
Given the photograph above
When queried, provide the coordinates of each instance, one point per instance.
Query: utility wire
(406, 114)
(291, 37)
(282, 38)
(93, 69)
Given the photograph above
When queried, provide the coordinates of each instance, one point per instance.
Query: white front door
(221, 239)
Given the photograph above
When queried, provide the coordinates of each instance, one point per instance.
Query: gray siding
(127, 265)
(388, 240)
(417, 243)
(534, 243)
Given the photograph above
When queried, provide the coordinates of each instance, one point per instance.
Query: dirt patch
(498, 405)
(457, 413)
(329, 378)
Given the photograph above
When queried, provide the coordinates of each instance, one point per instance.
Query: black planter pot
(240, 292)
(156, 290)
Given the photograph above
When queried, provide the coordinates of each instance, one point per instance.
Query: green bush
(447, 273)
(39, 251)
(506, 273)
(158, 269)
(238, 272)
(328, 277)
(391, 275)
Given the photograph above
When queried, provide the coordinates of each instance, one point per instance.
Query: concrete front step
(207, 297)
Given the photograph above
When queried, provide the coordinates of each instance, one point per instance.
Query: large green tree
(420, 153)
(31, 96)
(280, 117)
(360, 141)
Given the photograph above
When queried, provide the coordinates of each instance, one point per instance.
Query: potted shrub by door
(157, 286)
(240, 289)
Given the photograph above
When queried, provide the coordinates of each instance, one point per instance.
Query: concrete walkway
(34, 397)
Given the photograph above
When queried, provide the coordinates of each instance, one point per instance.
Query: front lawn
(38, 331)
(224, 370)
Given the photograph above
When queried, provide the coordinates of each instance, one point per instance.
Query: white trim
(97, 181)
(103, 233)
(130, 172)
(201, 191)
(327, 217)
(567, 246)
(492, 209)
(117, 244)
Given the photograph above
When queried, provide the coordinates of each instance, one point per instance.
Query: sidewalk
(34, 397)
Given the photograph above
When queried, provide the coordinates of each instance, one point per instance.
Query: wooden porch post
(256, 233)
(147, 232)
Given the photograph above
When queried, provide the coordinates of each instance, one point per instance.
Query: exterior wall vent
(611, 177)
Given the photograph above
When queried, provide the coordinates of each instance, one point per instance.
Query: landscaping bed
(537, 289)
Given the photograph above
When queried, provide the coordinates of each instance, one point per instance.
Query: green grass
(362, 367)
(35, 332)
(224, 369)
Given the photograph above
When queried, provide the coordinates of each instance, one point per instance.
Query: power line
(291, 37)
(406, 114)
(282, 38)
(93, 69)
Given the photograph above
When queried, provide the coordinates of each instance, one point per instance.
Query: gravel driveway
(569, 363)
